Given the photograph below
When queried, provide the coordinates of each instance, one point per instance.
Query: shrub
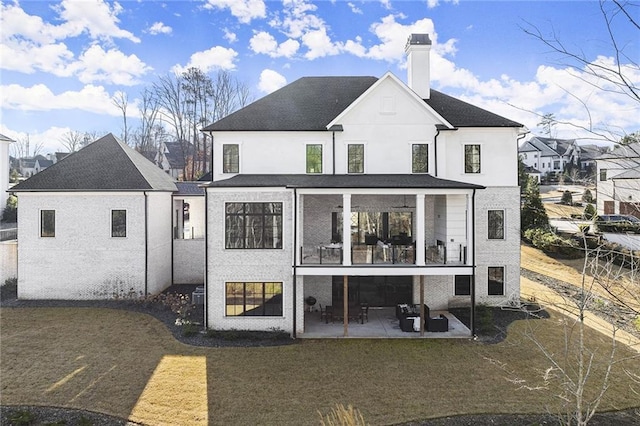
(589, 211)
(551, 243)
(567, 198)
(341, 416)
(189, 329)
(533, 213)
(22, 417)
(587, 197)
(484, 318)
(10, 212)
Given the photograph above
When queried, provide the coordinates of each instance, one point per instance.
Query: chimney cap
(419, 39)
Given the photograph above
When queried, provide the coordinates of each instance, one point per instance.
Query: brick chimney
(417, 50)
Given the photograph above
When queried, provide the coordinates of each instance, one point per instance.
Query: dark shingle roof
(311, 103)
(342, 181)
(190, 188)
(104, 165)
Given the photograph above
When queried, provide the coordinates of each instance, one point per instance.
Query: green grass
(102, 360)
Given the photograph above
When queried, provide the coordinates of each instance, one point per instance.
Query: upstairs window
(253, 226)
(230, 158)
(472, 158)
(496, 224)
(603, 175)
(419, 158)
(314, 158)
(118, 223)
(47, 223)
(355, 158)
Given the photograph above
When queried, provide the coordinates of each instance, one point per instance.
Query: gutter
(333, 129)
(473, 262)
(146, 243)
(439, 128)
(295, 245)
(206, 253)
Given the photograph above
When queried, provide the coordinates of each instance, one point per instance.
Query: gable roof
(631, 150)
(311, 103)
(4, 138)
(341, 181)
(104, 165)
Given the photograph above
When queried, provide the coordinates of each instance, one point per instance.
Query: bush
(189, 329)
(589, 211)
(10, 212)
(484, 319)
(567, 198)
(551, 243)
(22, 417)
(587, 197)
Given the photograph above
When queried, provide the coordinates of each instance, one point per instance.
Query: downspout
(295, 245)
(146, 243)
(522, 135)
(333, 129)
(473, 262)
(439, 128)
(206, 253)
(172, 239)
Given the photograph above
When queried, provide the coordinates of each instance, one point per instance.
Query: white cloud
(354, 8)
(40, 98)
(435, 3)
(159, 28)
(270, 81)
(230, 36)
(217, 57)
(48, 140)
(95, 17)
(244, 10)
(112, 66)
(264, 43)
(319, 44)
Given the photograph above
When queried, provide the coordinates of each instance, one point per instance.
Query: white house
(548, 154)
(618, 181)
(4, 170)
(360, 190)
(97, 224)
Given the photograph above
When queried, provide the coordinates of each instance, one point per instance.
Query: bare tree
(144, 136)
(72, 140)
(121, 101)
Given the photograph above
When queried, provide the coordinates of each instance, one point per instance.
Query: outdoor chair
(364, 313)
(326, 313)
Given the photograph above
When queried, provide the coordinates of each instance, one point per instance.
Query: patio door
(376, 291)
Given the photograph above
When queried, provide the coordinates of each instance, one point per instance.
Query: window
(253, 299)
(231, 158)
(603, 175)
(472, 158)
(496, 224)
(496, 281)
(314, 158)
(253, 226)
(355, 158)
(462, 285)
(419, 158)
(118, 223)
(556, 164)
(47, 223)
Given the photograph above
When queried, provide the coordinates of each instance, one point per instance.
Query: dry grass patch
(555, 211)
(388, 381)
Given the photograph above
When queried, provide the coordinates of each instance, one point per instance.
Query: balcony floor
(382, 324)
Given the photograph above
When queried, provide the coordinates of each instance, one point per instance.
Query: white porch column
(346, 229)
(420, 232)
(471, 217)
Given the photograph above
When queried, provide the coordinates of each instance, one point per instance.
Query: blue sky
(62, 62)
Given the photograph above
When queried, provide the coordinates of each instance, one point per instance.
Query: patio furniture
(438, 324)
(407, 323)
(326, 313)
(364, 312)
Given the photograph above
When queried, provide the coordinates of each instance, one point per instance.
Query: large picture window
(472, 158)
(253, 299)
(253, 225)
(496, 224)
(230, 158)
(419, 158)
(462, 285)
(118, 223)
(355, 158)
(314, 158)
(496, 281)
(47, 223)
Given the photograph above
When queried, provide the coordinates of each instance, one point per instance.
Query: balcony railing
(383, 254)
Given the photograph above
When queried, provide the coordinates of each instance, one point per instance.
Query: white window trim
(55, 222)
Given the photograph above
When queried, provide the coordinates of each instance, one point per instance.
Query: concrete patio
(382, 324)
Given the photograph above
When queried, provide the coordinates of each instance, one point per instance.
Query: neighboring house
(4, 170)
(41, 165)
(174, 158)
(95, 225)
(533, 172)
(548, 155)
(361, 189)
(618, 181)
(28, 165)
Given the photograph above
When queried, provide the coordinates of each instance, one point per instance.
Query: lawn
(127, 364)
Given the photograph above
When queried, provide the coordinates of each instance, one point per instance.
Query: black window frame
(420, 165)
(355, 158)
(472, 160)
(47, 222)
(495, 283)
(118, 225)
(230, 159)
(254, 215)
(313, 158)
(263, 309)
(462, 285)
(603, 175)
(495, 232)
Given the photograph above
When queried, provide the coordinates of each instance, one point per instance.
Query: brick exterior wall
(188, 261)
(8, 260)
